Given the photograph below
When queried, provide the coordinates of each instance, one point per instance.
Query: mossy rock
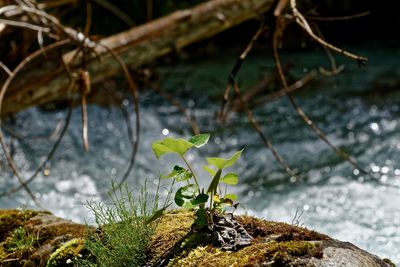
(274, 244)
(67, 254)
(60, 242)
(45, 232)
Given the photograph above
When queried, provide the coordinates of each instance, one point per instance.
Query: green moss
(171, 228)
(12, 219)
(3, 254)
(67, 254)
(273, 253)
(389, 262)
(258, 228)
(19, 241)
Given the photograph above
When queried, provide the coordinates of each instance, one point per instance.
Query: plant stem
(191, 170)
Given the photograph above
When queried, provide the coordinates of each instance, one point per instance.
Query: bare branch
(277, 35)
(302, 22)
(237, 66)
(342, 18)
(2, 93)
(265, 140)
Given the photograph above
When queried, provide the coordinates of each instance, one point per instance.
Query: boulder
(35, 238)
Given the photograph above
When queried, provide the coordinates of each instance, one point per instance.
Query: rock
(40, 235)
(32, 238)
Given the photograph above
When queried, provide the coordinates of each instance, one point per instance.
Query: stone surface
(259, 243)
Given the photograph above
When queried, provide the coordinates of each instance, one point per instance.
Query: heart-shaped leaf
(185, 194)
(171, 145)
(221, 163)
(230, 178)
(179, 174)
(199, 140)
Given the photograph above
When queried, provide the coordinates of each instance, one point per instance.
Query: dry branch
(137, 46)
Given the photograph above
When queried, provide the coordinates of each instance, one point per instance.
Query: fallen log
(137, 46)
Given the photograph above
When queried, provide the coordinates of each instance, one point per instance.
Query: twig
(341, 18)
(265, 140)
(277, 35)
(237, 66)
(134, 91)
(84, 84)
(2, 93)
(5, 68)
(334, 69)
(302, 22)
(50, 154)
(24, 25)
(88, 23)
(116, 11)
(291, 88)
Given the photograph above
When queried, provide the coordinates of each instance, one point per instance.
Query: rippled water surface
(358, 110)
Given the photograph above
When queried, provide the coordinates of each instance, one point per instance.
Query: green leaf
(230, 178)
(230, 196)
(179, 174)
(214, 183)
(209, 170)
(185, 194)
(171, 145)
(199, 140)
(221, 163)
(200, 199)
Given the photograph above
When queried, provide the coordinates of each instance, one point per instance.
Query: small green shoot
(20, 240)
(191, 196)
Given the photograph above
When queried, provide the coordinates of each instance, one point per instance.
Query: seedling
(191, 195)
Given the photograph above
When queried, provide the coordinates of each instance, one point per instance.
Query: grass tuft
(123, 234)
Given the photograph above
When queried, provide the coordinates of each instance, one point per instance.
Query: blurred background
(358, 110)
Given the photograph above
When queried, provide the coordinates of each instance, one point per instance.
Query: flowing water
(358, 110)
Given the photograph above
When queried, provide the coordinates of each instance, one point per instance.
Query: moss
(273, 253)
(279, 243)
(391, 264)
(278, 231)
(171, 228)
(32, 236)
(20, 240)
(67, 254)
(12, 219)
(3, 254)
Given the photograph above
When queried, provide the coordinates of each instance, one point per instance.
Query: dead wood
(137, 46)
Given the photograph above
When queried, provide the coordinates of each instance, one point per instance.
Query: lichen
(67, 254)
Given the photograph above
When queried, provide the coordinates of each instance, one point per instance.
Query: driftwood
(137, 46)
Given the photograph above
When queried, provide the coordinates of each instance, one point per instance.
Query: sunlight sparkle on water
(165, 131)
(374, 127)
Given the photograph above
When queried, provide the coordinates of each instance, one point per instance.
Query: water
(358, 110)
